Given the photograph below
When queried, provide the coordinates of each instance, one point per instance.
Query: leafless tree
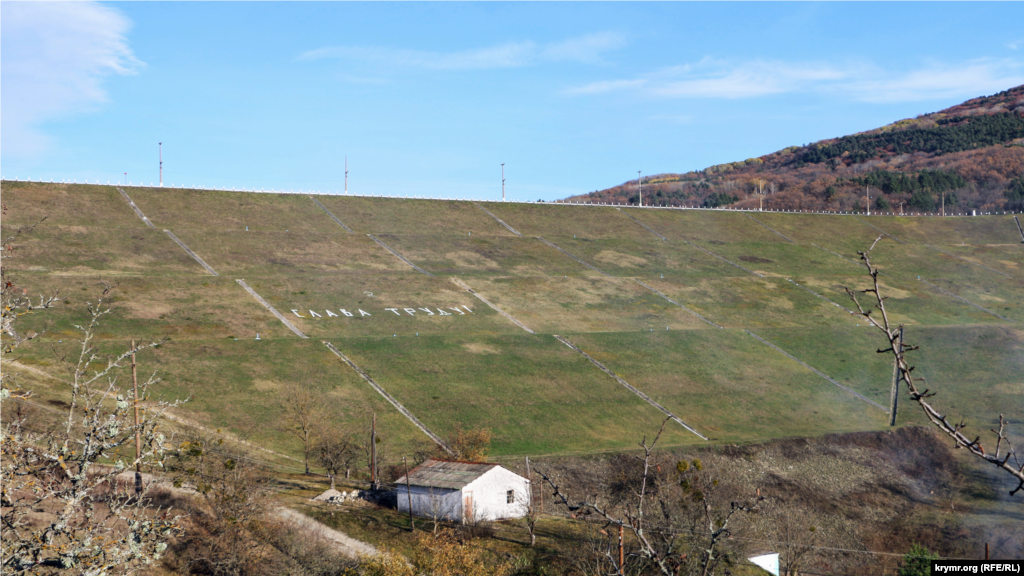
(231, 512)
(60, 509)
(335, 450)
(1003, 456)
(662, 522)
(303, 413)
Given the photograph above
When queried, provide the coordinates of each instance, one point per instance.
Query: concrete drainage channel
(488, 302)
(191, 253)
(819, 373)
(272, 310)
(400, 257)
(573, 257)
(630, 387)
(405, 412)
(787, 238)
(391, 399)
(500, 221)
(136, 208)
(177, 241)
(333, 217)
(962, 299)
(970, 262)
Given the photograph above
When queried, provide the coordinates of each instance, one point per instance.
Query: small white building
(463, 491)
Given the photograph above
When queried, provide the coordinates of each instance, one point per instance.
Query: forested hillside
(969, 156)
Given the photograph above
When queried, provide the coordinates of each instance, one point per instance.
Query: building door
(467, 508)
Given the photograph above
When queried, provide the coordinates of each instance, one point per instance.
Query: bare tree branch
(1004, 456)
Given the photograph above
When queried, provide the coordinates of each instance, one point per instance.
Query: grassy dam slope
(736, 323)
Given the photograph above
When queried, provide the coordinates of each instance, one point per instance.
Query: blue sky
(428, 99)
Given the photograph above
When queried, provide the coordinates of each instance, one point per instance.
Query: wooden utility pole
(408, 491)
(943, 202)
(867, 201)
(894, 394)
(530, 479)
(373, 454)
(138, 433)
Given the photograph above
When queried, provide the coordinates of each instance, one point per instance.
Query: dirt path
(345, 543)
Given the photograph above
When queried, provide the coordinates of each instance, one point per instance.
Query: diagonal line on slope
(1019, 228)
(836, 254)
(820, 373)
(656, 291)
(488, 302)
(947, 293)
(573, 257)
(400, 257)
(136, 208)
(723, 259)
(961, 298)
(398, 406)
(500, 221)
(798, 285)
(333, 217)
(898, 241)
(273, 310)
(629, 386)
(772, 229)
(649, 229)
(191, 253)
(970, 262)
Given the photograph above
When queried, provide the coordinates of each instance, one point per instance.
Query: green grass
(730, 385)
(479, 369)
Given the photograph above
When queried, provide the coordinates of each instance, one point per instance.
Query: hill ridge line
(272, 310)
(488, 302)
(398, 406)
(629, 386)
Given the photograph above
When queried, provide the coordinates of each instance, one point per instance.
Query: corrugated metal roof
(445, 474)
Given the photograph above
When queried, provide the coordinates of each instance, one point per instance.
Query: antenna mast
(641, 192)
(161, 148)
(502, 181)
(346, 174)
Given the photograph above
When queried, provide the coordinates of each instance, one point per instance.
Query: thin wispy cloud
(54, 59)
(586, 49)
(938, 81)
(716, 79)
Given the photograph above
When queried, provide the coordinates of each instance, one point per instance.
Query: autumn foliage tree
(470, 445)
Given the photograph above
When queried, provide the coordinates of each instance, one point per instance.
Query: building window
(510, 496)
